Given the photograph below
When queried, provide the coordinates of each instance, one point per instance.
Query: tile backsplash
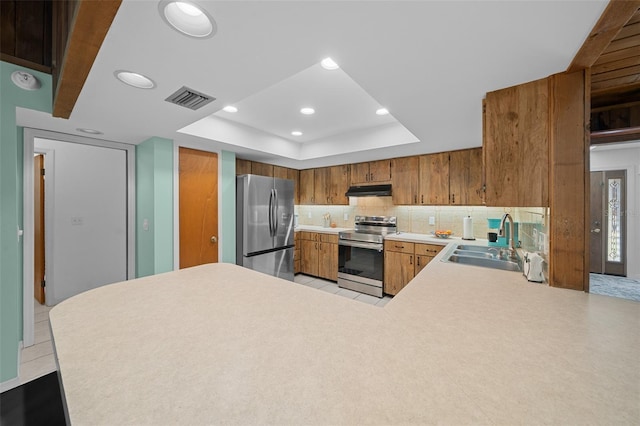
(416, 219)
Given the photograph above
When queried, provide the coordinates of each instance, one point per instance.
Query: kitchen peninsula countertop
(458, 345)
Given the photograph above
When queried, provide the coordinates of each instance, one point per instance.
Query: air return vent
(190, 98)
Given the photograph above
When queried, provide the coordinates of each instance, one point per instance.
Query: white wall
(621, 158)
(86, 204)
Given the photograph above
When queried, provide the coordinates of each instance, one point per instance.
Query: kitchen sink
(487, 257)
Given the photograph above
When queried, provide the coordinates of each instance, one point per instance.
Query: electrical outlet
(145, 224)
(309, 215)
(346, 216)
(432, 220)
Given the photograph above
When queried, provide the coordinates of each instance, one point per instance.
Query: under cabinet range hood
(369, 191)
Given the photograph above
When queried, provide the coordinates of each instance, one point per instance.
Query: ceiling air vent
(190, 98)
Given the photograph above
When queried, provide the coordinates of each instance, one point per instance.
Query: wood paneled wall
(25, 33)
(569, 178)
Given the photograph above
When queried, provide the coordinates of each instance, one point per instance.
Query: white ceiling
(429, 62)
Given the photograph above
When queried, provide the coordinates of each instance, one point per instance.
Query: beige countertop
(321, 229)
(219, 344)
(428, 238)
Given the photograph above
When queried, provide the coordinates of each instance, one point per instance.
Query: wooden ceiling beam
(90, 26)
(614, 17)
(615, 135)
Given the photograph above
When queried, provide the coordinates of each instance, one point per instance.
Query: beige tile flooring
(331, 287)
(38, 360)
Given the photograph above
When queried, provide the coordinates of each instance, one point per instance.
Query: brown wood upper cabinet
(324, 185)
(292, 174)
(307, 186)
(465, 177)
(404, 180)
(516, 143)
(434, 179)
(371, 172)
(243, 167)
(438, 179)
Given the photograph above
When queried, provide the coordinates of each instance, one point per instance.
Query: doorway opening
(81, 205)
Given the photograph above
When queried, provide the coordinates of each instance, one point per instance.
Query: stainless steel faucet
(512, 245)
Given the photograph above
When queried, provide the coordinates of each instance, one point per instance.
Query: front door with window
(608, 223)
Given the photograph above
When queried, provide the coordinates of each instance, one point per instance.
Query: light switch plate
(309, 215)
(346, 216)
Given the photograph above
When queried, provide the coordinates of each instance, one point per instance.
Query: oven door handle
(358, 244)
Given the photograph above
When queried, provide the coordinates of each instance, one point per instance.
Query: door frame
(176, 198)
(28, 316)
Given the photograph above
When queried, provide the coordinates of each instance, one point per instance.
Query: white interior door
(87, 239)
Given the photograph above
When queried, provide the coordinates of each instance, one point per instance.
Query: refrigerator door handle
(271, 213)
(275, 213)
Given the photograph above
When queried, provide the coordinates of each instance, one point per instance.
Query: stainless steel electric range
(361, 254)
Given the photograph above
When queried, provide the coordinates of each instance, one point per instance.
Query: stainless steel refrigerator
(264, 225)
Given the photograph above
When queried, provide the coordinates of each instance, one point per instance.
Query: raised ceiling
(429, 62)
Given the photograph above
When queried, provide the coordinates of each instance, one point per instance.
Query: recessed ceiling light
(382, 111)
(230, 108)
(307, 111)
(90, 131)
(25, 80)
(329, 64)
(296, 133)
(135, 79)
(188, 18)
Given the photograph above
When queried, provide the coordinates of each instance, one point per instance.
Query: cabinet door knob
(410, 260)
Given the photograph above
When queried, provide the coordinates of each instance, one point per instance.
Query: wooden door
(404, 180)
(38, 229)
(198, 175)
(380, 171)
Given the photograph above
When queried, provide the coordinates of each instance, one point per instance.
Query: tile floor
(38, 360)
(331, 287)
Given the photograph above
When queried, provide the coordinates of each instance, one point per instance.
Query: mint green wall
(154, 202)
(228, 208)
(11, 145)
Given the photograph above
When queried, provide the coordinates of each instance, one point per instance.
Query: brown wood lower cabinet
(296, 253)
(319, 254)
(403, 260)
